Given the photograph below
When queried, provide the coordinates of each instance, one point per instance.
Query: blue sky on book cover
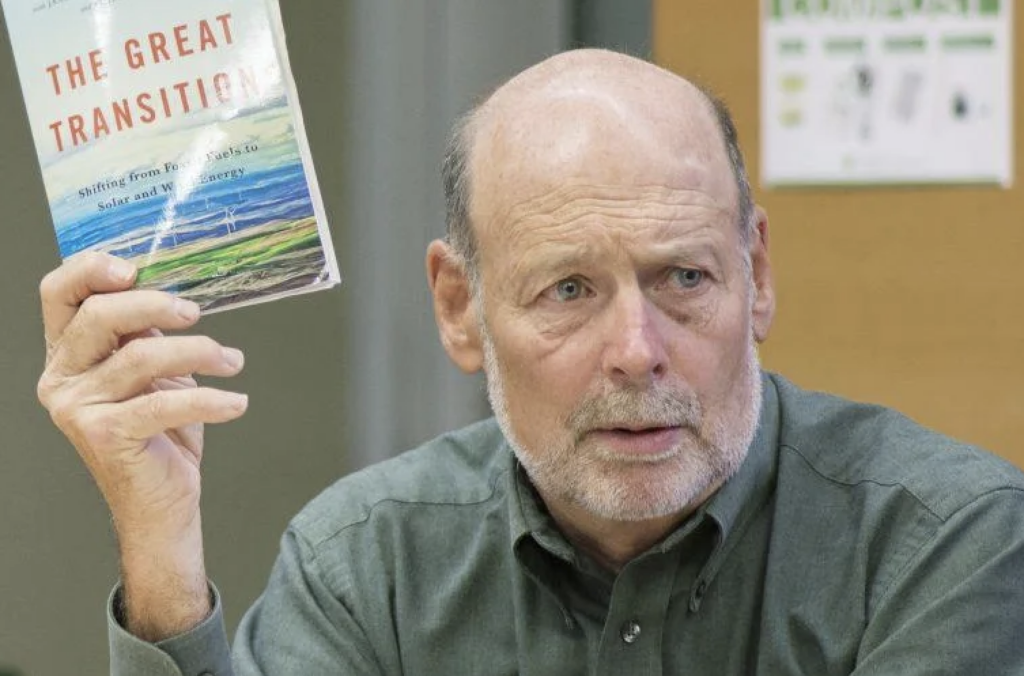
(167, 133)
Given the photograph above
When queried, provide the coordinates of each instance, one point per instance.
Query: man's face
(617, 331)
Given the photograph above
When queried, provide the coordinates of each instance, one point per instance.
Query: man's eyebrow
(558, 258)
(568, 258)
(684, 251)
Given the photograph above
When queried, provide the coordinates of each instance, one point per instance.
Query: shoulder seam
(839, 482)
(369, 511)
(920, 501)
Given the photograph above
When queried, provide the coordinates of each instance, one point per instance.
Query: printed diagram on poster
(886, 91)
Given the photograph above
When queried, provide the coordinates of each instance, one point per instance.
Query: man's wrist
(171, 613)
(165, 590)
(202, 649)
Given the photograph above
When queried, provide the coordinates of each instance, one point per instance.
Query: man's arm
(308, 622)
(958, 607)
(301, 624)
(123, 394)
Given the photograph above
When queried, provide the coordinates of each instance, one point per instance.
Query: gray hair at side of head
(456, 179)
(744, 195)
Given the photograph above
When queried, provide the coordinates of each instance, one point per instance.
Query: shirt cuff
(203, 651)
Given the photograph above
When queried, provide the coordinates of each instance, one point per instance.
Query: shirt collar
(529, 517)
(742, 495)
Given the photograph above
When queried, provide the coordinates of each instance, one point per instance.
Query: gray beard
(600, 484)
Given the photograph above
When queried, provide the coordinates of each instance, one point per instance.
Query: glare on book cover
(168, 134)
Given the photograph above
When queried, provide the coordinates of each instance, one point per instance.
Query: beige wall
(909, 297)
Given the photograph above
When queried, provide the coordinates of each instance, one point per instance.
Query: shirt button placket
(630, 632)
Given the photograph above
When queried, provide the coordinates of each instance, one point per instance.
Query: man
(647, 500)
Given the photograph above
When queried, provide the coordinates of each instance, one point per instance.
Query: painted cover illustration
(169, 133)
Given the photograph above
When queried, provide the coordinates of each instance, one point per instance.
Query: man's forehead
(546, 117)
(575, 207)
(593, 119)
(582, 149)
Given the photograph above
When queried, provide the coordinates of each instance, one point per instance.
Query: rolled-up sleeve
(203, 651)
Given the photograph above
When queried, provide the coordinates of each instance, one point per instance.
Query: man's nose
(636, 350)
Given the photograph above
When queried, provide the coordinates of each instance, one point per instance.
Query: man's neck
(611, 543)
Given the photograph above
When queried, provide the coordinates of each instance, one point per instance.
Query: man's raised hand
(123, 393)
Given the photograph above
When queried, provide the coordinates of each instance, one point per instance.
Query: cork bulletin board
(908, 296)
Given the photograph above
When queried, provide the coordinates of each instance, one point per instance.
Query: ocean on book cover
(169, 133)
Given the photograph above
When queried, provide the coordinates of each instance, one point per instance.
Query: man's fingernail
(233, 358)
(236, 402)
(121, 270)
(186, 309)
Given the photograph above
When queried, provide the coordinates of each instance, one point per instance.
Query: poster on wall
(886, 91)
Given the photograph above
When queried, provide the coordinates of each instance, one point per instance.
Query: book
(170, 134)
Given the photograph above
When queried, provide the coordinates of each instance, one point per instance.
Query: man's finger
(81, 276)
(135, 367)
(148, 333)
(152, 414)
(129, 424)
(188, 436)
(175, 383)
(103, 321)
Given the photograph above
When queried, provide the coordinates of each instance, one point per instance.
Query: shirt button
(630, 632)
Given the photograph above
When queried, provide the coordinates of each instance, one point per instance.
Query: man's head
(457, 191)
(607, 270)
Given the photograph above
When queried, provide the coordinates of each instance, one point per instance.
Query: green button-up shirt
(851, 541)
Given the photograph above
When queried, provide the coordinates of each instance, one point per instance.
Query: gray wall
(336, 379)
(416, 69)
(622, 25)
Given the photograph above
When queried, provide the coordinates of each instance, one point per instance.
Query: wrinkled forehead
(627, 140)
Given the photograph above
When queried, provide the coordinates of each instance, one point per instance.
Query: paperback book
(170, 134)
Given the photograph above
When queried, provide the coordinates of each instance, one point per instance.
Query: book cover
(170, 134)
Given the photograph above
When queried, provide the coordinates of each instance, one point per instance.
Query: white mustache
(636, 410)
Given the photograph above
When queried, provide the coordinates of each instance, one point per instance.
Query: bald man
(646, 499)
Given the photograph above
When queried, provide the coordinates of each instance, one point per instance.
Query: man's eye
(568, 289)
(687, 278)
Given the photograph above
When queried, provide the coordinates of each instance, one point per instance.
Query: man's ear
(763, 308)
(453, 307)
